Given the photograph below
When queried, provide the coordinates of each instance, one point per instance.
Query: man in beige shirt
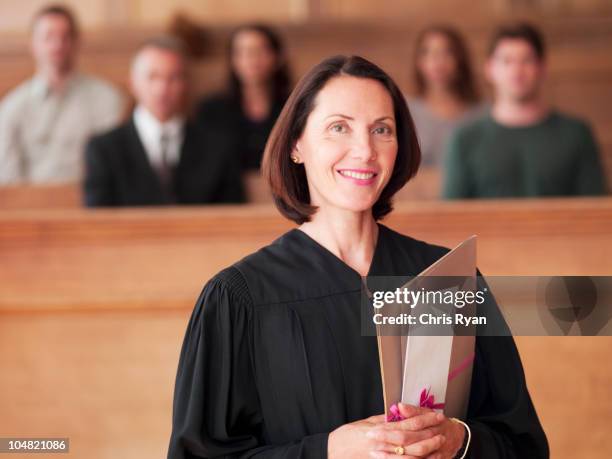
(46, 121)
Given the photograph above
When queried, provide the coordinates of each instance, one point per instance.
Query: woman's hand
(350, 441)
(423, 434)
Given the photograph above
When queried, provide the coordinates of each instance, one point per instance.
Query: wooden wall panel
(94, 305)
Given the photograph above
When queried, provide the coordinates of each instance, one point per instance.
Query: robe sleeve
(501, 415)
(216, 410)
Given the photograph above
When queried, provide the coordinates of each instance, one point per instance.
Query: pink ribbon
(462, 366)
(427, 400)
(394, 414)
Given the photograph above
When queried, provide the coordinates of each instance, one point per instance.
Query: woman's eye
(338, 128)
(384, 130)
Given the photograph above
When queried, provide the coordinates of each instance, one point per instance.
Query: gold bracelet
(469, 436)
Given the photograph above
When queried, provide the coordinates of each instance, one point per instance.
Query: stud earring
(295, 159)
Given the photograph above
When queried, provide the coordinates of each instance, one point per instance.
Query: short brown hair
(58, 10)
(288, 181)
(463, 84)
(168, 43)
(519, 31)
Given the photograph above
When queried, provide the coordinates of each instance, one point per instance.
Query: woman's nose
(362, 148)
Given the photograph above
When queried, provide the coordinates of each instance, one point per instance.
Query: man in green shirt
(522, 147)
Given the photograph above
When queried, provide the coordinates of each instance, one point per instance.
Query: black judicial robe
(273, 359)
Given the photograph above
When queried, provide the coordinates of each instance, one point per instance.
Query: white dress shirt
(43, 132)
(150, 131)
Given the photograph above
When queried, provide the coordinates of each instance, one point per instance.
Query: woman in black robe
(274, 364)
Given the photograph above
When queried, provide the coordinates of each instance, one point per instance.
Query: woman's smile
(362, 177)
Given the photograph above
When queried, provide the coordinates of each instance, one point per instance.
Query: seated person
(446, 95)
(522, 147)
(257, 88)
(158, 157)
(46, 121)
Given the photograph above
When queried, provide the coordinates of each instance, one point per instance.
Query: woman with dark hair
(273, 363)
(258, 86)
(446, 94)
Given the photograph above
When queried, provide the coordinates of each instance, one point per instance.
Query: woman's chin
(355, 205)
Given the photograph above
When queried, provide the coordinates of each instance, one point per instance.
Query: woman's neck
(350, 236)
(444, 103)
(256, 101)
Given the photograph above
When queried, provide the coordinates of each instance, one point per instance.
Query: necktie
(165, 168)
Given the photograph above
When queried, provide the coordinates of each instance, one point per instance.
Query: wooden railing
(94, 304)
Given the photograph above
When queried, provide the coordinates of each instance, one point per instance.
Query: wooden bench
(94, 304)
(40, 196)
(426, 186)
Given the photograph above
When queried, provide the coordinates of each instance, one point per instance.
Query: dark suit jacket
(118, 171)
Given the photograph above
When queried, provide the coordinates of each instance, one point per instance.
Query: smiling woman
(356, 146)
(273, 364)
(344, 124)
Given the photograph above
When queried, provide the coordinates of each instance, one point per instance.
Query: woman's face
(436, 61)
(349, 144)
(253, 60)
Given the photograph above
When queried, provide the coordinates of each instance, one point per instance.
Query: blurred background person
(46, 120)
(258, 86)
(159, 157)
(446, 94)
(523, 147)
